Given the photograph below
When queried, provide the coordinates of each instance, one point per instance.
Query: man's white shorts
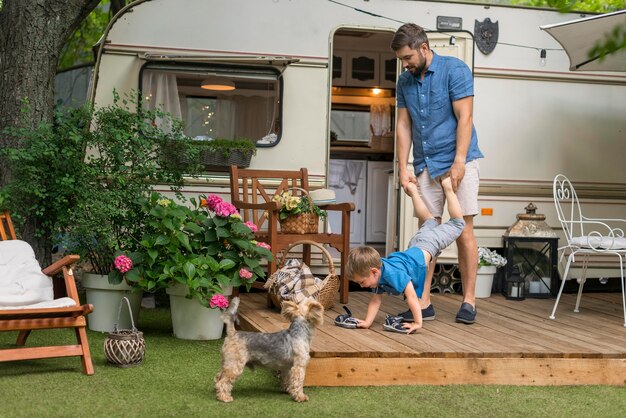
(467, 192)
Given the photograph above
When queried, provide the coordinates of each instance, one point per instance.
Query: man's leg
(468, 260)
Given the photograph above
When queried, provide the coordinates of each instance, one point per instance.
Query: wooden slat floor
(512, 342)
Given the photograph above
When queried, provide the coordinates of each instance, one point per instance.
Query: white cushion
(605, 243)
(56, 303)
(21, 280)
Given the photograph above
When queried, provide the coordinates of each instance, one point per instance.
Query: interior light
(376, 90)
(217, 83)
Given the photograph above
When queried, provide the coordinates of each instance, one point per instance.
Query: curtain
(161, 91)
(380, 119)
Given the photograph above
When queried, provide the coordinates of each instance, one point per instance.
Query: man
(435, 106)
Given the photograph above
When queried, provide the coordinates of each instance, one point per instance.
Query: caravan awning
(578, 37)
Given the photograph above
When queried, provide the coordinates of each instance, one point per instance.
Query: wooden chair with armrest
(252, 192)
(39, 309)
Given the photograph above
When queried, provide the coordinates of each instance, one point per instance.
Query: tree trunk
(32, 34)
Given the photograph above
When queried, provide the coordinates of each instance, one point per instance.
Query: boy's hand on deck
(411, 327)
(362, 324)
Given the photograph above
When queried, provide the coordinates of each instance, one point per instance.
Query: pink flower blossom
(123, 263)
(252, 226)
(263, 245)
(218, 301)
(212, 201)
(245, 274)
(224, 209)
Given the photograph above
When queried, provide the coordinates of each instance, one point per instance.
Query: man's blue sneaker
(428, 314)
(467, 314)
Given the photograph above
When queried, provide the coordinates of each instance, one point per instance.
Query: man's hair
(360, 260)
(410, 35)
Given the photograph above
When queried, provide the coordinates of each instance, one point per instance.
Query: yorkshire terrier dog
(285, 351)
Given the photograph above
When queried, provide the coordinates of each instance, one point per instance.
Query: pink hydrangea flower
(263, 245)
(245, 274)
(224, 209)
(123, 263)
(252, 226)
(212, 201)
(235, 216)
(218, 301)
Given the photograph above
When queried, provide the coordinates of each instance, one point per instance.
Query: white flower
(486, 257)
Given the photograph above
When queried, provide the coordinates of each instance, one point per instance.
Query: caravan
(312, 82)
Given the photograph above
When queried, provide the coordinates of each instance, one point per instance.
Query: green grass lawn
(176, 379)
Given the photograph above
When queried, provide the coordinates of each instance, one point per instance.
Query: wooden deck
(512, 343)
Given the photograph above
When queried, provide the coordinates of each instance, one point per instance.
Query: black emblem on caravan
(486, 35)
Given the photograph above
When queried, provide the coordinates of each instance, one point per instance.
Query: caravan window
(217, 101)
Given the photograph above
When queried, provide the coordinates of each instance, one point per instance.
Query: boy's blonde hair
(361, 260)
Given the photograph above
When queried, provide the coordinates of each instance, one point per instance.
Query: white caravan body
(533, 119)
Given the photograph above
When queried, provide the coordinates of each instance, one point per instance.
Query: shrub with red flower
(219, 301)
(206, 247)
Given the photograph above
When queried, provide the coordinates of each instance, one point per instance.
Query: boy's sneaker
(428, 314)
(466, 314)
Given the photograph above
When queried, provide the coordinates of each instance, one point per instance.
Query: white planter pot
(106, 299)
(484, 281)
(191, 320)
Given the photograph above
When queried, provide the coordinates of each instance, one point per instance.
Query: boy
(404, 272)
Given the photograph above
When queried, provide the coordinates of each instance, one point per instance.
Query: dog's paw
(301, 398)
(226, 399)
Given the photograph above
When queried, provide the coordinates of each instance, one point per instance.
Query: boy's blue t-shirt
(399, 269)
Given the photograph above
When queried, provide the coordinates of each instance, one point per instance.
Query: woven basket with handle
(302, 223)
(124, 347)
(329, 287)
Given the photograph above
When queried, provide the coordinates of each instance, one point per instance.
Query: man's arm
(415, 307)
(372, 310)
(403, 147)
(463, 110)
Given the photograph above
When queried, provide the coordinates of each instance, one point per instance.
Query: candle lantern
(532, 246)
(515, 286)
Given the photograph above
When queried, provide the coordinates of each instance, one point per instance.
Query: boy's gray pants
(433, 237)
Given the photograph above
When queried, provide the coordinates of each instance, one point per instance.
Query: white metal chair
(585, 237)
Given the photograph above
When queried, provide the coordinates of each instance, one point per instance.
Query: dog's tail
(230, 316)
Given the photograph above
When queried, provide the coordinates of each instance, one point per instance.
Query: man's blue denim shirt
(429, 103)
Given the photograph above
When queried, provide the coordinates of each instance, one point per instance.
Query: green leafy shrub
(206, 247)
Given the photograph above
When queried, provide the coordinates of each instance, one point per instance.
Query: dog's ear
(290, 310)
(315, 314)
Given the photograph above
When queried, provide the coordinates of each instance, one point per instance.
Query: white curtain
(380, 119)
(226, 111)
(243, 117)
(161, 91)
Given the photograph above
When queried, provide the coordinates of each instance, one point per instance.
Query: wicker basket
(302, 223)
(327, 296)
(125, 347)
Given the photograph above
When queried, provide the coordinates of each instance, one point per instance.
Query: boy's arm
(415, 307)
(372, 310)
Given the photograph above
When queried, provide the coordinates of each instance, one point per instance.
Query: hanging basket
(125, 347)
(302, 223)
(329, 288)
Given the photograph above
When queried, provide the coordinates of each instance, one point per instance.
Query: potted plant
(488, 263)
(195, 253)
(213, 154)
(123, 161)
(298, 214)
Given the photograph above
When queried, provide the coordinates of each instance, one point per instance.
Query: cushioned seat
(585, 237)
(27, 301)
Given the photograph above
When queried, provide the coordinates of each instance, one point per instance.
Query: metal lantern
(531, 246)
(515, 286)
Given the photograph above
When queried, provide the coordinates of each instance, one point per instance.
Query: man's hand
(457, 172)
(406, 178)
